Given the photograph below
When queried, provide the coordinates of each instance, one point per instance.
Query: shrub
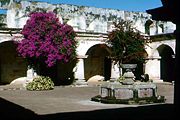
(47, 39)
(40, 83)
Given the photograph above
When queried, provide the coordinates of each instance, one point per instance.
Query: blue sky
(128, 5)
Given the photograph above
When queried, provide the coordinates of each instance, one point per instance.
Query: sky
(127, 5)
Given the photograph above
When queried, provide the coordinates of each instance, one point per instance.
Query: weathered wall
(82, 18)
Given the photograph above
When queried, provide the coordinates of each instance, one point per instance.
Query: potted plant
(127, 45)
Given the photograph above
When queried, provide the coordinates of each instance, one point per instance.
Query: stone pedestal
(129, 78)
(128, 75)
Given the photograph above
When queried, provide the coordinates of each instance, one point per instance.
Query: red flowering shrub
(45, 37)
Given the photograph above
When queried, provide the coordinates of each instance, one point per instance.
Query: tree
(47, 39)
(127, 45)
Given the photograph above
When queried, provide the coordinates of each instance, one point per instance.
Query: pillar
(79, 70)
(31, 74)
(115, 72)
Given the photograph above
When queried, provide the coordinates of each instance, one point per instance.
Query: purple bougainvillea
(46, 37)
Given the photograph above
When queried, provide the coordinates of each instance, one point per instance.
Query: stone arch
(167, 62)
(12, 66)
(161, 28)
(147, 26)
(98, 62)
(4, 40)
(85, 45)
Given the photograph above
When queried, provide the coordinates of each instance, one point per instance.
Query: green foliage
(121, 78)
(3, 2)
(127, 43)
(40, 83)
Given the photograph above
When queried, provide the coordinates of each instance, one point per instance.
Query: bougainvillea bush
(45, 37)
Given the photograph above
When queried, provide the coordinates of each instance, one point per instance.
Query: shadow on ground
(9, 110)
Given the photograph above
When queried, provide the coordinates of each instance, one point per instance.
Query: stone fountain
(128, 91)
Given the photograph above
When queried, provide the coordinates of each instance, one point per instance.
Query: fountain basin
(137, 93)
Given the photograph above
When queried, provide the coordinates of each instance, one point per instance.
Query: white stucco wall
(5, 37)
(85, 45)
(169, 27)
(11, 23)
(152, 68)
(79, 22)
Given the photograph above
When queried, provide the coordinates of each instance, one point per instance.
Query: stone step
(80, 83)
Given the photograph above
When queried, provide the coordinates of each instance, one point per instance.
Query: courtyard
(69, 102)
(92, 27)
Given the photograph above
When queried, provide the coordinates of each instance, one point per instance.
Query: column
(115, 72)
(79, 70)
(30, 74)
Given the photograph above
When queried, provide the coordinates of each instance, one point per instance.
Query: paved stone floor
(66, 102)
